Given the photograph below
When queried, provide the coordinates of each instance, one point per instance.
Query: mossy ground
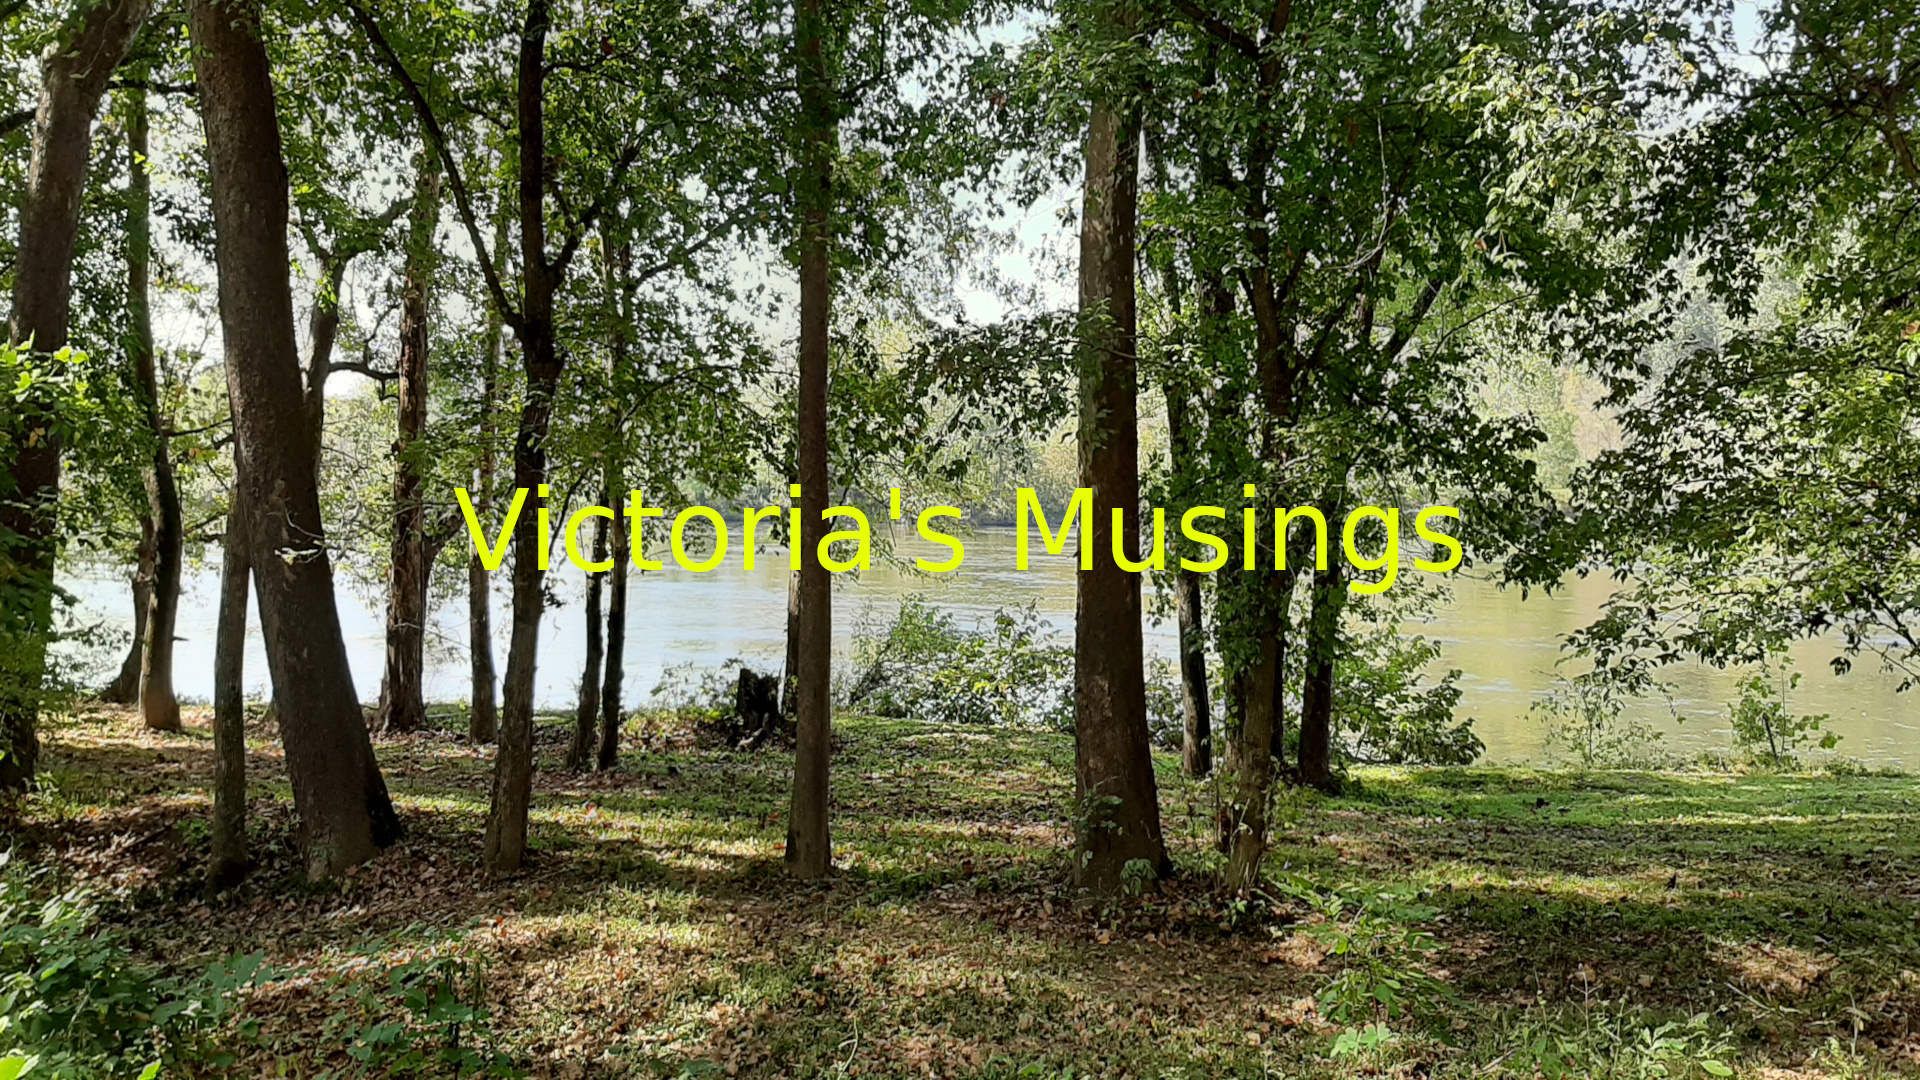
(1587, 924)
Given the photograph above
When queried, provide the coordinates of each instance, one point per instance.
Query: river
(1505, 646)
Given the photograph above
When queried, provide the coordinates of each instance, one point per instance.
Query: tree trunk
(346, 816)
(610, 704)
(1316, 704)
(229, 861)
(125, 687)
(790, 669)
(1247, 841)
(580, 753)
(618, 264)
(506, 841)
(483, 721)
(402, 706)
(1196, 745)
(158, 705)
(74, 76)
(809, 848)
(1119, 811)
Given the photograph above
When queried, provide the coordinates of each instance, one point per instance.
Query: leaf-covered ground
(1592, 924)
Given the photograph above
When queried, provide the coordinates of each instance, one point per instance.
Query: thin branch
(607, 195)
(438, 136)
(14, 121)
(361, 367)
(152, 86)
(1241, 43)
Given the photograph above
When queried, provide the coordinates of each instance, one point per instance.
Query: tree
(157, 703)
(1119, 808)
(809, 854)
(73, 78)
(402, 707)
(346, 816)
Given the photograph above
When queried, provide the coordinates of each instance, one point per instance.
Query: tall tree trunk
(809, 848)
(73, 77)
(1196, 744)
(125, 687)
(506, 842)
(1119, 808)
(229, 861)
(346, 816)
(587, 713)
(483, 721)
(158, 705)
(402, 706)
(1316, 695)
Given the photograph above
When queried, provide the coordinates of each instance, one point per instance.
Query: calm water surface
(1506, 647)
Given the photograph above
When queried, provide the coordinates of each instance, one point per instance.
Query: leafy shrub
(1376, 937)
(1006, 670)
(1584, 715)
(73, 1000)
(1761, 721)
(426, 1020)
(1386, 712)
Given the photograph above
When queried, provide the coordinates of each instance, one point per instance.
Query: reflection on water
(1506, 647)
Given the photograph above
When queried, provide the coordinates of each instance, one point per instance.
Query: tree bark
(790, 669)
(346, 815)
(74, 76)
(483, 720)
(618, 264)
(1119, 811)
(1316, 704)
(125, 687)
(230, 860)
(402, 706)
(158, 706)
(580, 753)
(506, 841)
(809, 852)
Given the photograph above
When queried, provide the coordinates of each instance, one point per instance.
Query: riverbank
(1527, 922)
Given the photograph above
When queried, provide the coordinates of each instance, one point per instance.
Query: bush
(1007, 670)
(74, 1002)
(1389, 715)
(1761, 722)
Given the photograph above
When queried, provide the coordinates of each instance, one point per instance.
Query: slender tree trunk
(125, 687)
(1254, 780)
(506, 842)
(790, 669)
(402, 706)
(346, 816)
(74, 76)
(229, 862)
(1196, 744)
(618, 264)
(581, 752)
(809, 848)
(610, 704)
(1316, 704)
(157, 702)
(1119, 810)
(1196, 749)
(483, 721)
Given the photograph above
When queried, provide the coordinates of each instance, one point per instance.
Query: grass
(1549, 924)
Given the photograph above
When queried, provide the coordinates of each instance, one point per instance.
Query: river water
(1506, 647)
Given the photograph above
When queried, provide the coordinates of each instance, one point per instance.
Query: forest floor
(1535, 923)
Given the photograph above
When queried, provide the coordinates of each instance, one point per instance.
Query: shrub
(1008, 669)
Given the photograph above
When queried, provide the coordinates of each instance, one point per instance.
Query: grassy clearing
(1542, 923)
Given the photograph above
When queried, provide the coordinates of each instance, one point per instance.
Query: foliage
(425, 1020)
(1761, 720)
(1385, 712)
(74, 999)
(925, 665)
(1382, 951)
(1584, 715)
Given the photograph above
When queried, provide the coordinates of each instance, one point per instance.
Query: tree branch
(607, 194)
(1212, 24)
(438, 136)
